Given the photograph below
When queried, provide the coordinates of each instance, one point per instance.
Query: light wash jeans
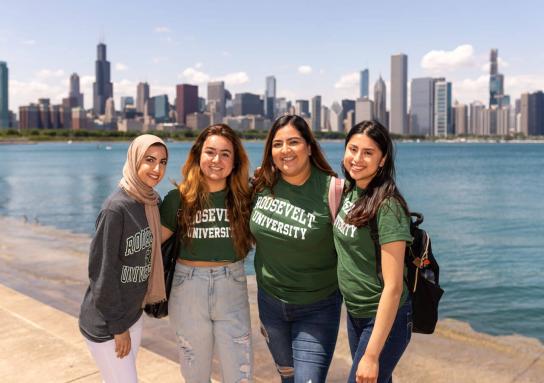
(209, 308)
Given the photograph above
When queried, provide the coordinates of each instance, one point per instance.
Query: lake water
(483, 206)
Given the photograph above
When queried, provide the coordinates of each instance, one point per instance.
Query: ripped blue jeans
(301, 338)
(208, 307)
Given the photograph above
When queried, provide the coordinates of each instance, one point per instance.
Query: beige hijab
(142, 193)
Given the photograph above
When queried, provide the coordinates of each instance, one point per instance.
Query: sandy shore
(49, 265)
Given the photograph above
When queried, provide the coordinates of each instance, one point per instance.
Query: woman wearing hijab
(125, 263)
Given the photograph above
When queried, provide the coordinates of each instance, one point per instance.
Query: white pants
(112, 368)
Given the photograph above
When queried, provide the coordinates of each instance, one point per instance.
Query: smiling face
(362, 159)
(153, 165)
(216, 161)
(291, 155)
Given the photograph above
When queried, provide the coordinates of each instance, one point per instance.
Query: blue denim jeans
(301, 338)
(208, 307)
(359, 331)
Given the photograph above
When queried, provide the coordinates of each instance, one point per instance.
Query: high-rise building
(363, 84)
(216, 98)
(142, 95)
(44, 113)
(325, 119)
(102, 87)
(109, 112)
(532, 113)
(496, 80)
(270, 98)
(302, 107)
(125, 101)
(474, 123)
(186, 101)
(4, 92)
(160, 108)
(422, 106)
(364, 110)
(399, 94)
(75, 93)
(460, 119)
(380, 97)
(316, 113)
(442, 108)
(29, 117)
(347, 106)
(337, 119)
(247, 104)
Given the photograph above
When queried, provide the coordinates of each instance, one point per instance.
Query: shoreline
(50, 265)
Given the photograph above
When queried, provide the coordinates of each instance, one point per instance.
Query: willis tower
(102, 87)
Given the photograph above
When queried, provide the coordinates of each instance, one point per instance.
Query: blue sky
(312, 47)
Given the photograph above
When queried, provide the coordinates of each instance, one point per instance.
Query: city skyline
(215, 43)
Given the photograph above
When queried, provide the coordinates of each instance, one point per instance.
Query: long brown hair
(268, 175)
(195, 193)
(382, 185)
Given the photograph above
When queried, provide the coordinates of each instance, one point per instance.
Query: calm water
(483, 205)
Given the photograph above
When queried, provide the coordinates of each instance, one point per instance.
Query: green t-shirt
(211, 235)
(357, 276)
(295, 260)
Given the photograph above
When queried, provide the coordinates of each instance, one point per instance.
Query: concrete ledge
(42, 344)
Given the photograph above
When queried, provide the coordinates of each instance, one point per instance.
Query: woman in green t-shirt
(379, 309)
(295, 259)
(208, 305)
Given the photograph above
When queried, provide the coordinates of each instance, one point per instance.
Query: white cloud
(440, 60)
(348, 81)
(162, 29)
(29, 42)
(198, 65)
(234, 79)
(305, 69)
(502, 64)
(49, 73)
(195, 76)
(120, 67)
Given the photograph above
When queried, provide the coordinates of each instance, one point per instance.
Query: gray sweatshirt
(119, 266)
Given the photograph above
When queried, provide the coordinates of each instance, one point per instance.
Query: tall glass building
(4, 105)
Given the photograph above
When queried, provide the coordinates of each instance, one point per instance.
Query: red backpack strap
(336, 187)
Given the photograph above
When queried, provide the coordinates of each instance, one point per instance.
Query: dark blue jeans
(301, 338)
(359, 330)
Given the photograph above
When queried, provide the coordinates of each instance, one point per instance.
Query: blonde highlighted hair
(195, 193)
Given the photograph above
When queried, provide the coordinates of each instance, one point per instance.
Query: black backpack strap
(373, 225)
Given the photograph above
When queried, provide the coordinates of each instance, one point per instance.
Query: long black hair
(382, 186)
(268, 175)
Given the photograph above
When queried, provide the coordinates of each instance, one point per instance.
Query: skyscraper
(316, 113)
(247, 104)
(4, 105)
(302, 108)
(142, 95)
(380, 97)
(75, 93)
(422, 106)
(364, 110)
(102, 87)
(496, 80)
(270, 98)
(216, 98)
(337, 120)
(363, 84)
(442, 108)
(399, 94)
(186, 101)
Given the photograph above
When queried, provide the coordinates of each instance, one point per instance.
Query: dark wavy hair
(383, 185)
(268, 175)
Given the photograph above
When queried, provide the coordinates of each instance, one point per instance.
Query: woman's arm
(393, 273)
(165, 233)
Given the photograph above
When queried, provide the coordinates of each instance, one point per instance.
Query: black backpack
(422, 278)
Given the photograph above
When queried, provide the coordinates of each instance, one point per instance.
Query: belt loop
(227, 272)
(191, 271)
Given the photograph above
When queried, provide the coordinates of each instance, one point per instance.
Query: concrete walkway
(43, 278)
(42, 344)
